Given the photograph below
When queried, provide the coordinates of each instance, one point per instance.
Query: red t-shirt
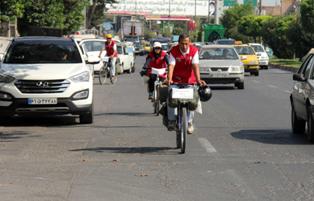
(156, 62)
(110, 49)
(183, 72)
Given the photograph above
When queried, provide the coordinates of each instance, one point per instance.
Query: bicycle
(158, 75)
(105, 70)
(183, 95)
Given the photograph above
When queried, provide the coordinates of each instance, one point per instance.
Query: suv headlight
(82, 77)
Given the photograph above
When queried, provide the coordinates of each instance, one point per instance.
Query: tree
(275, 33)
(231, 18)
(64, 15)
(95, 14)
(10, 9)
(252, 25)
(307, 15)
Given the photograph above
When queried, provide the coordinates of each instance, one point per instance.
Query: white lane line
(256, 81)
(272, 86)
(207, 145)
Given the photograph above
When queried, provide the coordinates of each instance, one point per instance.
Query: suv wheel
(88, 117)
(298, 125)
(310, 126)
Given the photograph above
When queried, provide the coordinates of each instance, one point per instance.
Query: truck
(132, 30)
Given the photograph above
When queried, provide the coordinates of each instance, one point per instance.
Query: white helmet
(157, 44)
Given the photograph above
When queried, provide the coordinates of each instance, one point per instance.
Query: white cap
(157, 44)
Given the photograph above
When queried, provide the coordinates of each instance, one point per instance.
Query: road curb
(286, 68)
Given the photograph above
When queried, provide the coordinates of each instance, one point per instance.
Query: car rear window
(218, 54)
(43, 51)
(93, 46)
(245, 50)
(258, 48)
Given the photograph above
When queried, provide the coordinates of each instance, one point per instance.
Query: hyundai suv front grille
(42, 86)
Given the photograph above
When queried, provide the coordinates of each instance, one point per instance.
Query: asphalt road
(242, 149)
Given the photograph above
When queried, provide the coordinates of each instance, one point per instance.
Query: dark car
(302, 99)
(227, 41)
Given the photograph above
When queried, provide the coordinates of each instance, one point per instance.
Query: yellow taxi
(147, 47)
(248, 58)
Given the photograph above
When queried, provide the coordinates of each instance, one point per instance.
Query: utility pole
(260, 7)
(169, 9)
(216, 12)
(195, 11)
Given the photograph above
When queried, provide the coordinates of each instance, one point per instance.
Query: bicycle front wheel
(157, 100)
(183, 125)
(103, 73)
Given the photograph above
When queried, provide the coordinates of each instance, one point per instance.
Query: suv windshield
(218, 54)
(43, 51)
(258, 48)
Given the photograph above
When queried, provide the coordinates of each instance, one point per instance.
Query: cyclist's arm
(196, 69)
(166, 59)
(172, 63)
(148, 60)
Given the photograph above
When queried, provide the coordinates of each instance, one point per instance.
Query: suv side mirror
(298, 77)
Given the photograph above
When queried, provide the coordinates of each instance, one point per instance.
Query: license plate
(42, 101)
(220, 75)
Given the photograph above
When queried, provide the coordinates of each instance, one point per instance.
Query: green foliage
(11, 8)
(275, 34)
(95, 14)
(73, 14)
(252, 25)
(307, 15)
(231, 18)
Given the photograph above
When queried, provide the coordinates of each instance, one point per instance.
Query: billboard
(161, 7)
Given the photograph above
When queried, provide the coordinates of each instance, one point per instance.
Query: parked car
(302, 98)
(249, 59)
(46, 76)
(126, 58)
(262, 55)
(139, 49)
(220, 64)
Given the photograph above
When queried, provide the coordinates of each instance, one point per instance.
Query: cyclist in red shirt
(157, 58)
(111, 52)
(183, 69)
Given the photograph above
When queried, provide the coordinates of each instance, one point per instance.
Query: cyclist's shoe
(171, 125)
(190, 128)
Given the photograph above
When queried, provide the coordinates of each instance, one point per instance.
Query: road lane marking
(207, 145)
(272, 86)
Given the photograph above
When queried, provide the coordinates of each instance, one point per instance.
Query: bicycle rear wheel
(103, 73)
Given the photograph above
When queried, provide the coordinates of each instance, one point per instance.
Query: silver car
(220, 64)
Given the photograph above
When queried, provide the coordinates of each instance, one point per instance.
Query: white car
(45, 76)
(92, 48)
(126, 57)
(261, 55)
(220, 64)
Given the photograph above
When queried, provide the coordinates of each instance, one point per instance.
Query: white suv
(44, 76)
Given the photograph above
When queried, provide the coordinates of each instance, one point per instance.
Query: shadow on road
(11, 136)
(124, 114)
(219, 87)
(38, 121)
(128, 150)
(276, 136)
